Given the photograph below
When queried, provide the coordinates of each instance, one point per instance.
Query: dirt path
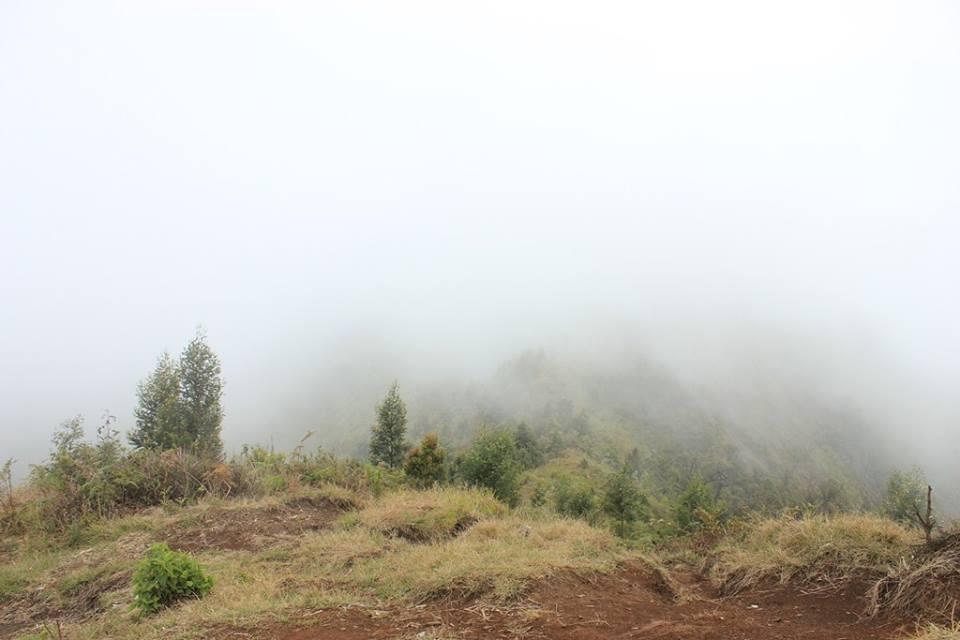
(632, 603)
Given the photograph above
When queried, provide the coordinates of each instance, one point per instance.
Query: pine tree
(388, 444)
(178, 405)
(201, 388)
(158, 408)
(623, 501)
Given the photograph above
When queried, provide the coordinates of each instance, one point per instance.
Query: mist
(756, 204)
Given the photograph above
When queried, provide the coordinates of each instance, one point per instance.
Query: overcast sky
(456, 181)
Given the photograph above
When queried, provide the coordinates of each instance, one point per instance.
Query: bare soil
(632, 603)
(251, 529)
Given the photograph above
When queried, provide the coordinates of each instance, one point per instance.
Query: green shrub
(83, 480)
(166, 576)
(905, 495)
(697, 507)
(529, 451)
(539, 496)
(492, 462)
(274, 483)
(425, 464)
(573, 501)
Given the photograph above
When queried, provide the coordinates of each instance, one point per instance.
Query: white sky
(463, 180)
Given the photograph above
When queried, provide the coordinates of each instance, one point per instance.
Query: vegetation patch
(815, 549)
(423, 516)
(925, 584)
(497, 558)
(253, 525)
(166, 576)
(936, 632)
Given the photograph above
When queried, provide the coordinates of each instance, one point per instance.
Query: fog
(759, 199)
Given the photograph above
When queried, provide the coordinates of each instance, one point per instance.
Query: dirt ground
(252, 529)
(632, 603)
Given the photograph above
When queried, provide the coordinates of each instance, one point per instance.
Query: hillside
(350, 558)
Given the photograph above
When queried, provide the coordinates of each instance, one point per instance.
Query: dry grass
(496, 558)
(39, 580)
(363, 563)
(818, 550)
(431, 515)
(926, 584)
(936, 632)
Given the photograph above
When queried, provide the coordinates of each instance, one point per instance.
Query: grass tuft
(816, 549)
(925, 584)
(498, 558)
(424, 516)
(936, 632)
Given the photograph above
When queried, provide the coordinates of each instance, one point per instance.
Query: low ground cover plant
(165, 577)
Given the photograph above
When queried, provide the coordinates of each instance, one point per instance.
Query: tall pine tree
(178, 405)
(158, 408)
(388, 444)
(201, 388)
(623, 501)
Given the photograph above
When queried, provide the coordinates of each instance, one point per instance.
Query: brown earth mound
(632, 603)
(251, 529)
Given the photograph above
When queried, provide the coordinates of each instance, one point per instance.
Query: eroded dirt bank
(632, 603)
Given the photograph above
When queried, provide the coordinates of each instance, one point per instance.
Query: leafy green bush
(274, 483)
(492, 462)
(529, 451)
(573, 501)
(697, 507)
(905, 495)
(166, 576)
(83, 480)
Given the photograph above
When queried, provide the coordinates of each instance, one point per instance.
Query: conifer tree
(201, 389)
(178, 405)
(388, 444)
(158, 408)
(623, 501)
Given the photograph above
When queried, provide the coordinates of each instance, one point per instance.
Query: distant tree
(833, 495)
(696, 506)
(6, 485)
(201, 389)
(388, 443)
(528, 449)
(158, 415)
(491, 462)
(555, 443)
(633, 461)
(425, 463)
(905, 494)
(622, 500)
